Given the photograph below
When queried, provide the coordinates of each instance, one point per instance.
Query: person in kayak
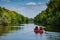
(36, 29)
(41, 30)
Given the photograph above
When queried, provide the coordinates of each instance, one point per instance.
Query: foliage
(11, 17)
(50, 16)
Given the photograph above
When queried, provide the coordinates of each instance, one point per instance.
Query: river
(27, 33)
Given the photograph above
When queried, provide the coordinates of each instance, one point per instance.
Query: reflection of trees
(6, 29)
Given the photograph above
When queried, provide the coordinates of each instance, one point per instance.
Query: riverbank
(52, 29)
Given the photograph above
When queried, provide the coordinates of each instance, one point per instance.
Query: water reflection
(26, 33)
(53, 35)
(7, 29)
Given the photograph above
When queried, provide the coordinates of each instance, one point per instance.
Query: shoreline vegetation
(8, 17)
(50, 18)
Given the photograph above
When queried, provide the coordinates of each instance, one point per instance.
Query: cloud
(31, 3)
(35, 3)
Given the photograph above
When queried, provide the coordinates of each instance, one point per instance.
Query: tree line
(50, 17)
(8, 17)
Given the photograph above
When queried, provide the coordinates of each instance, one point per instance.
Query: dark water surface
(27, 33)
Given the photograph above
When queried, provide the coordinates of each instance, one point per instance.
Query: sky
(28, 8)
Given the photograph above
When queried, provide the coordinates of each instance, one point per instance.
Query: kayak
(38, 31)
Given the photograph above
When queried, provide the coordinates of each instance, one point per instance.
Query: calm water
(27, 33)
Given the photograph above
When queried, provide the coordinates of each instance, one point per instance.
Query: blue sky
(28, 8)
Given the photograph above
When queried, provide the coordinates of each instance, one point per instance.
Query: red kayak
(40, 30)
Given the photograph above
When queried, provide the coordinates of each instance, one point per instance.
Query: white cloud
(35, 3)
(31, 3)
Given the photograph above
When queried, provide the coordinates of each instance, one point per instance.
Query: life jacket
(41, 31)
(36, 30)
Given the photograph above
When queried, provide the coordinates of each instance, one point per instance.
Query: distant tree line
(50, 17)
(8, 17)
